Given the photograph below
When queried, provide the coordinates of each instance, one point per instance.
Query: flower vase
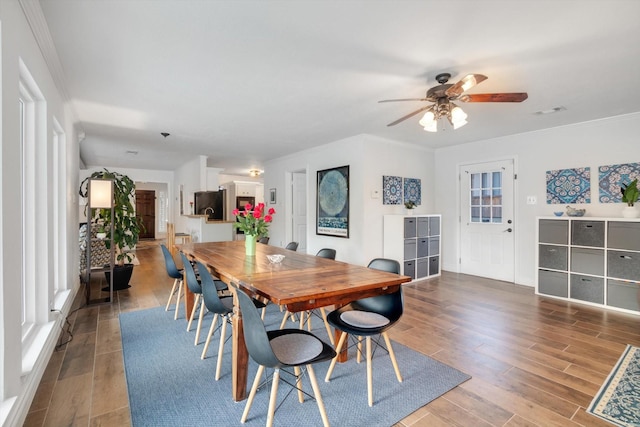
(250, 245)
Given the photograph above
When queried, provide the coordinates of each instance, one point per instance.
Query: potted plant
(410, 205)
(126, 226)
(630, 196)
(101, 232)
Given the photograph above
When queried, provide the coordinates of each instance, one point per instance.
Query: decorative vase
(630, 212)
(250, 245)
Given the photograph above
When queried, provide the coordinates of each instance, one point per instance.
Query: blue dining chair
(222, 309)
(176, 274)
(369, 317)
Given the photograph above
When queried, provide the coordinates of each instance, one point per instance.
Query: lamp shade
(101, 193)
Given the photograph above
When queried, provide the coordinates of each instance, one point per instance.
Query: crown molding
(40, 30)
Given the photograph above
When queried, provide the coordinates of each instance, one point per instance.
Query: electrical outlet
(531, 200)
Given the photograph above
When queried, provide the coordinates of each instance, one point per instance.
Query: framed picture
(272, 196)
(332, 204)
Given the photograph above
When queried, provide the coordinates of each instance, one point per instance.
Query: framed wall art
(332, 202)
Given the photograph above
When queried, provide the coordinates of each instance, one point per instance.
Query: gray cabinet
(414, 241)
(591, 260)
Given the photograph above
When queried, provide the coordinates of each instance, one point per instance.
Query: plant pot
(250, 245)
(630, 212)
(121, 277)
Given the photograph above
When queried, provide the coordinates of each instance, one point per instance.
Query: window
(35, 205)
(486, 197)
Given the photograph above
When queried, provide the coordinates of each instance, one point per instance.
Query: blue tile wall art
(391, 190)
(413, 190)
(565, 186)
(610, 177)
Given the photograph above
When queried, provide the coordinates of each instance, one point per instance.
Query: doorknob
(508, 230)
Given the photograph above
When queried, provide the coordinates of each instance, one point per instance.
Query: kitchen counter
(203, 230)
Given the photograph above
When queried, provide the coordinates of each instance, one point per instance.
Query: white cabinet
(245, 190)
(590, 260)
(414, 241)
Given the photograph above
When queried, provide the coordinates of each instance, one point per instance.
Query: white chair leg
(175, 317)
(173, 291)
(335, 359)
(316, 392)
(296, 371)
(326, 325)
(284, 319)
(223, 334)
(252, 394)
(199, 327)
(369, 373)
(209, 335)
(196, 300)
(392, 355)
(264, 311)
(274, 397)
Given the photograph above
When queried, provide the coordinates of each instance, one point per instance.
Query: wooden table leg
(240, 357)
(188, 298)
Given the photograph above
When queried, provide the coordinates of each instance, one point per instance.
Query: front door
(486, 220)
(146, 212)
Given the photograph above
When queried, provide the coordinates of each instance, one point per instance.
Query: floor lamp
(100, 192)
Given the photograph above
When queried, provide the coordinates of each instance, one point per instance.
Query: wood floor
(534, 361)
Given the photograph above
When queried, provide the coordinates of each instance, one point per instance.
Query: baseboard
(16, 408)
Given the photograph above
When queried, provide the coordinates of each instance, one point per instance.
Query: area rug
(169, 385)
(618, 400)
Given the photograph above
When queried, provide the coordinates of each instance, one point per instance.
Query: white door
(487, 232)
(299, 205)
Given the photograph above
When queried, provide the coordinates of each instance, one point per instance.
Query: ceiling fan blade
(401, 119)
(404, 99)
(495, 97)
(465, 84)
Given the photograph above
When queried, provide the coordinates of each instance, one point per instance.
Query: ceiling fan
(443, 95)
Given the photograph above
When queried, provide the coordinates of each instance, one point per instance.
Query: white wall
(593, 144)
(369, 158)
(19, 379)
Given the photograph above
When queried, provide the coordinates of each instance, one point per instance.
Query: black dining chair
(264, 240)
(292, 246)
(222, 309)
(176, 274)
(280, 350)
(369, 317)
(305, 316)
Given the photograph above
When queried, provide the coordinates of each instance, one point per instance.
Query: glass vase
(250, 245)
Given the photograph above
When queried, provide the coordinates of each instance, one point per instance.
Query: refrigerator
(211, 203)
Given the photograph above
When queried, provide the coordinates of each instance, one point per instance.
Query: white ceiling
(243, 82)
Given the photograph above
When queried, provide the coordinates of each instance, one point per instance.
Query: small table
(300, 282)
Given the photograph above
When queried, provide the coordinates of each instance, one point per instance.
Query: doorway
(299, 209)
(487, 232)
(146, 212)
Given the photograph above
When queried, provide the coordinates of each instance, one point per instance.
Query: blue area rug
(618, 400)
(169, 385)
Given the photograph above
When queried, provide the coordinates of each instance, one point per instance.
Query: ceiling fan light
(457, 115)
(459, 124)
(431, 127)
(428, 119)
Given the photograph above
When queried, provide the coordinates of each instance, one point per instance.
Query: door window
(486, 197)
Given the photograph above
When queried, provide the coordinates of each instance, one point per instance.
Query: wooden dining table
(300, 282)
